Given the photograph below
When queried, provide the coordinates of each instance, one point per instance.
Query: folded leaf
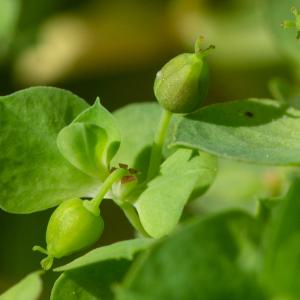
(91, 141)
(83, 144)
(259, 131)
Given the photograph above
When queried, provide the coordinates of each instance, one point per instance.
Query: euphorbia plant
(92, 140)
(152, 160)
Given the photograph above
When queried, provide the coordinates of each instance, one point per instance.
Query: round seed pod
(182, 83)
(72, 227)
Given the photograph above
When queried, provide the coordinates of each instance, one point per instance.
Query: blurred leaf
(34, 175)
(91, 276)
(276, 12)
(240, 184)
(9, 13)
(201, 261)
(285, 92)
(282, 258)
(284, 280)
(93, 282)
(28, 288)
(91, 141)
(161, 204)
(281, 89)
(208, 167)
(259, 131)
(285, 221)
(116, 251)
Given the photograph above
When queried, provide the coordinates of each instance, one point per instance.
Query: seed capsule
(72, 227)
(182, 84)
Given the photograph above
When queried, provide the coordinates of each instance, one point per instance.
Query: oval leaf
(260, 131)
(34, 175)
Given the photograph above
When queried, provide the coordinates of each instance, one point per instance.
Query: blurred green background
(113, 49)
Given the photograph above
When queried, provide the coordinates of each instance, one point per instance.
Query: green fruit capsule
(182, 84)
(72, 227)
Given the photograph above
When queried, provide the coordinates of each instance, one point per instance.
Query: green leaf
(259, 131)
(92, 276)
(203, 260)
(285, 221)
(240, 185)
(120, 250)
(280, 89)
(91, 141)
(276, 13)
(94, 282)
(83, 145)
(28, 288)
(9, 15)
(34, 175)
(160, 206)
(138, 123)
(284, 281)
(282, 241)
(208, 167)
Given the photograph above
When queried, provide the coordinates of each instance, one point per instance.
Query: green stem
(133, 218)
(156, 152)
(198, 47)
(113, 177)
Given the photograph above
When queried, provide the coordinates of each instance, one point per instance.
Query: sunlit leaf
(161, 204)
(33, 174)
(91, 141)
(259, 131)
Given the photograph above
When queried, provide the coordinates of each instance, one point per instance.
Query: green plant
(59, 151)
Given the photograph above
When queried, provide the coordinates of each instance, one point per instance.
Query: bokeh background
(113, 49)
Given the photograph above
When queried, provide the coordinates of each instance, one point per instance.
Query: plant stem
(113, 177)
(133, 218)
(156, 151)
